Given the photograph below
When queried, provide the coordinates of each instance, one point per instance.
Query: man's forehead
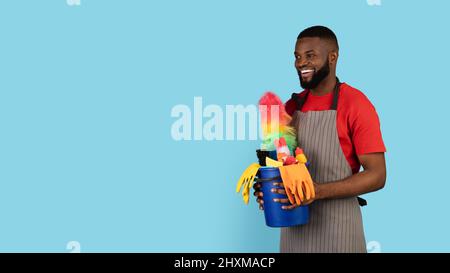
(310, 44)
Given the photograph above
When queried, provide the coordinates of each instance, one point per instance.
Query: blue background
(86, 92)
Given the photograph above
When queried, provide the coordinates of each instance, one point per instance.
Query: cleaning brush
(275, 122)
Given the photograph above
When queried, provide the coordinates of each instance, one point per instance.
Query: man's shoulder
(291, 104)
(353, 96)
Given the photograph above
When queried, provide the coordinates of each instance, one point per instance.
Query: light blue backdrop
(86, 92)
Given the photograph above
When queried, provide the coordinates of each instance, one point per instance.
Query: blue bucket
(274, 214)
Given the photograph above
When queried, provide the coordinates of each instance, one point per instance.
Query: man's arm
(371, 179)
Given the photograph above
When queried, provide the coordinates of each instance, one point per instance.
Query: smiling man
(339, 131)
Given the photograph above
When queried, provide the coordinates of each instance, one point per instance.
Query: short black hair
(320, 32)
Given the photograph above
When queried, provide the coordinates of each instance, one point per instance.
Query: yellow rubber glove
(297, 182)
(245, 182)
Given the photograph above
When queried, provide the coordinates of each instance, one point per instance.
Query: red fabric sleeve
(365, 127)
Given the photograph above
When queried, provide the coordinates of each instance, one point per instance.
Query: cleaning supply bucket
(274, 214)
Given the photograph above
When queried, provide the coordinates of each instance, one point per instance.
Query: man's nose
(301, 64)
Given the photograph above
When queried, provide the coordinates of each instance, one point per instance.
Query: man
(339, 131)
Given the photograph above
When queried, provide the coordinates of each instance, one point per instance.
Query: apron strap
(337, 87)
(361, 201)
(300, 101)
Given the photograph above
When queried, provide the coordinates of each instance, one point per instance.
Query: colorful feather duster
(275, 122)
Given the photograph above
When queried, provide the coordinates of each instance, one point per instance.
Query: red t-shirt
(357, 122)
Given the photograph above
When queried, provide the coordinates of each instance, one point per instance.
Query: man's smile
(307, 73)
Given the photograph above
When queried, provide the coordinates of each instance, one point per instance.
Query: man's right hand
(259, 195)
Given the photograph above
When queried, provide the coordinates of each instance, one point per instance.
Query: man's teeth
(307, 71)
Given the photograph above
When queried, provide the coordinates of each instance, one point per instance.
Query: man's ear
(333, 57)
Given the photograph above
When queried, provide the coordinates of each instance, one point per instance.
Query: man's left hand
(290, 206)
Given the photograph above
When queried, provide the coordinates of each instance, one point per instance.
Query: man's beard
(318, 76)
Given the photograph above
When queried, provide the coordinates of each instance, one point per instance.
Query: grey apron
(334, 225)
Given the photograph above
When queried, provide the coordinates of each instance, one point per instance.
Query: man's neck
(325, 86)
